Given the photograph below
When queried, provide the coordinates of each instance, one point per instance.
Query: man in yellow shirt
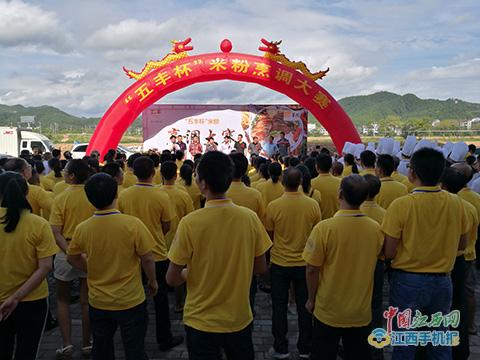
(328, 186)
(471, 251)
(241, 194)
(216, 251)
(367, 162)
(289, 221)
(390, 189)
(341, 255)
(453, 181)
(153, 208)
(423, 232)
(69, 209)
(116, 296)
(395, 174)
(129, 179)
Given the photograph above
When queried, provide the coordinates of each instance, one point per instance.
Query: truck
(13, 140)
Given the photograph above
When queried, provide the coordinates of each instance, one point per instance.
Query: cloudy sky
(70, 54)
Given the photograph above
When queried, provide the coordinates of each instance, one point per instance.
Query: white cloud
(27, 27)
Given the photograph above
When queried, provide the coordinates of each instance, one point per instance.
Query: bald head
(291, 179)
(354, 190)
(464, 169)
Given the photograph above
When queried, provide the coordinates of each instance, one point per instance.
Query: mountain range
(363, 110)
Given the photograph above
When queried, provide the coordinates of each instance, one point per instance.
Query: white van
(79, 151)
(14, 140)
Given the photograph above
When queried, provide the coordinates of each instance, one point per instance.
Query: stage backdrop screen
(161, 121)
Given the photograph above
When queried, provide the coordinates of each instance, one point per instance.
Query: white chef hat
(387, 146)
(396, 147)
(347, 148)
(459, 152)
(424, 143)
(359, 148)
(447, 149)
(371, 146)
(409, 145)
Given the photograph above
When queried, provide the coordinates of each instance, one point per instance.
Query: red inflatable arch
(178, 70)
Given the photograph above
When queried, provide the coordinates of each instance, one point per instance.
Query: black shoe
(175, 341)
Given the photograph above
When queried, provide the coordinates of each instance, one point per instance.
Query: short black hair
(310, 164)
(79, 169)
(472, 148)
(143, 167)
(216, 169)
(428, 164)
(113, 169)
(292, 178)
(294, 161)
(165, 156)
(368, 158)
(168, 170)
(374, 185)
(386, 163)
(324, 162)
(275, 171)
(101, 190)
(452, 180)
(179, 155)
(56, 153)
(240, 164)
(354, 189)
(132, 159)
(155, 158)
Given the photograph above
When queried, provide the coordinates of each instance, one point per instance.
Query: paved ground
(262, 338)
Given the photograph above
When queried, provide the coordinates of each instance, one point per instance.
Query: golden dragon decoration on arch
(272, 52)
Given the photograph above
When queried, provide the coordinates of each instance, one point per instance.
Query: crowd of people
(323, 230)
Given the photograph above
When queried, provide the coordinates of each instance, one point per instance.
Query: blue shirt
(270, 149)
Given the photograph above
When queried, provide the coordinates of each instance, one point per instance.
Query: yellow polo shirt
(328, 186)
(291, 218)
(389, 191)
(129, 179)
(51, 176)
(158, 179)
(59, 188)
(428, 222)
(257, 184)
(315, 195)
(218, 244)
(70, 208)
(39, 199)
(473, 198)
(373, 211)
(399, 177)
(46, 183)
(469, 252)
(409, 185)
(345, 248)
(244, 196)
(254, 177)
(20, 251)
(182, 205)
(271, 191)
(368, 171)
(113, 243)
(347, 170)
(194, 192)
(145, 202)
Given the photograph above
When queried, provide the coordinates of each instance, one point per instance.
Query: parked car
(78, 151)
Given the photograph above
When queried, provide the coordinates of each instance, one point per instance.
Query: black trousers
(203, 345)
(133, 327)
(281, 278)
(23, 330)
(377, 304)
(162, 312)
(325, 341)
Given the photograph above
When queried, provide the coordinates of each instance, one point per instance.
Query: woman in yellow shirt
(307, 187)
(27, 246)
(55, 174)
(350, 167)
